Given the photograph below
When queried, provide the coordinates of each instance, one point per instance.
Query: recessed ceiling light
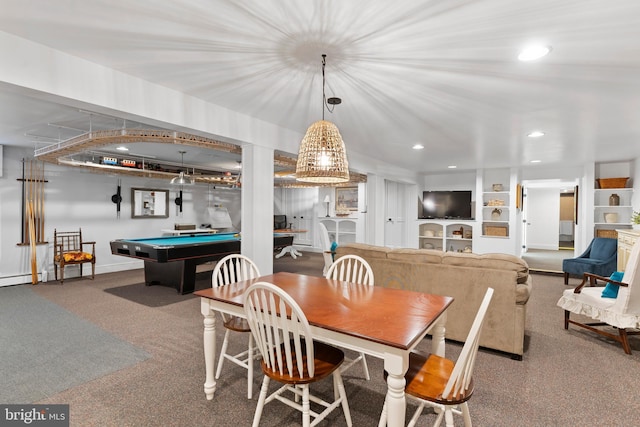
(418, 147)
(452, 166)
(536, 134)
(532, 53)
(122, 149)
(536, 161)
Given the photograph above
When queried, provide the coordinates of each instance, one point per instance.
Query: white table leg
(396, 366)
(289, 250)
(209, 340)
(437, 338)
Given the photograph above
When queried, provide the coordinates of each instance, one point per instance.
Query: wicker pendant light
(322, 157)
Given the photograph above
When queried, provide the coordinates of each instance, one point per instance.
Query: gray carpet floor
(567, 378)
(47, 349)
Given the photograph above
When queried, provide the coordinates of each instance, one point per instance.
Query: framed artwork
(148, 203)
(347, 198)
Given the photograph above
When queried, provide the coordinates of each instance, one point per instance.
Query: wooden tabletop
(392, 317)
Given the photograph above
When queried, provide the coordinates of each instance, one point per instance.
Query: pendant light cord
(324, 97)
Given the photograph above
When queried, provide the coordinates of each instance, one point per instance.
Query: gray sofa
(465, 277)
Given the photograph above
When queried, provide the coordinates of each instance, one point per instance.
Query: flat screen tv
(446, 205)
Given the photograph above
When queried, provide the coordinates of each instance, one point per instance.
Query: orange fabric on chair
(77, 256)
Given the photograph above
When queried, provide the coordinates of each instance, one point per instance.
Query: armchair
(68, 249)
(621, 313)
(600, 258)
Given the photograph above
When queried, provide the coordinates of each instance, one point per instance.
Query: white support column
(375, 208)
(257, 206)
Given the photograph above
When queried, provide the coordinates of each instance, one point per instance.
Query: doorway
(548, 233)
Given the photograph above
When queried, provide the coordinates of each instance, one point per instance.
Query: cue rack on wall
(32, 202)
(33, 209)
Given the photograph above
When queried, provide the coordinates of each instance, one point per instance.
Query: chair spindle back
(462, 372)
(351, 268)
(280, 330)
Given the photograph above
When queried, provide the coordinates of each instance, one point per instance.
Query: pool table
(172, 260)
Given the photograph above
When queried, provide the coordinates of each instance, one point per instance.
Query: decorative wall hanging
(117, 199)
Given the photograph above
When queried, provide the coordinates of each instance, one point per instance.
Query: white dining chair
(326, 247)
(442, 383)
(354, 269)
(291, 356)
(230, 269)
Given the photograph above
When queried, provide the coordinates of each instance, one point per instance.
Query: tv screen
(446, 204)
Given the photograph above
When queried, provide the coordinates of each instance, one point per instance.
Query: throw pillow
(611, 290)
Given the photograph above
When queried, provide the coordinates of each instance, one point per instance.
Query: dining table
(382, 322)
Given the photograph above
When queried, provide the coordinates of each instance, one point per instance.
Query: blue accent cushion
(611, 290)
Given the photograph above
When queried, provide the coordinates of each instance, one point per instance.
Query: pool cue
(42, 203)
(24, 207)
(34, 197)
(29, 200)
(32, 236)
(38, 203)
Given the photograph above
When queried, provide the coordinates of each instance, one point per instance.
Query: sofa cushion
(363, 250)
(431, 256)
(492, 261)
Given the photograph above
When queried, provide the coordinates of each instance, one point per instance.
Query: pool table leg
(178, 274)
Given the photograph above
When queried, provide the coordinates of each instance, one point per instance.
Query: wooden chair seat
(237, 324)
(326, 360)
(427, 377)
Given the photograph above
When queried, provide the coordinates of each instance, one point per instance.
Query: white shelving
(611, 217)
(341, 230)
(496, 202)
(446, 235)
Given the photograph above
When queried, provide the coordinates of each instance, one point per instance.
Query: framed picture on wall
(347, 198)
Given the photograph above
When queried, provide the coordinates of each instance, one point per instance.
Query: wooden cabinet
(626, 239)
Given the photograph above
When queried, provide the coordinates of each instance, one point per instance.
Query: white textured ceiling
(440, 73)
